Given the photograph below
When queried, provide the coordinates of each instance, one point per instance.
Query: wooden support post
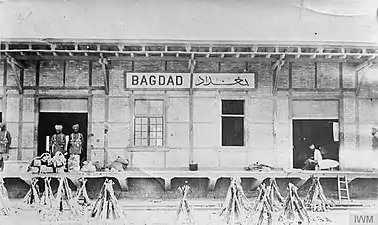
(364, 67)
(90, 106)
(341, 113)
(36, 109)
(276, 74)
(20, 125)
(192, 64)
(290, 111)
(105, 72)
(18, 69)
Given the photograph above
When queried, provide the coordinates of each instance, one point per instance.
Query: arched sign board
(183, 81)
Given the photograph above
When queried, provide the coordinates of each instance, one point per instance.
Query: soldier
(58, 141)
(76, 148)
(5, 142)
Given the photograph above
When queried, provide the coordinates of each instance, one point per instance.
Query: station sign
(183, 81)
(224, 80)
(157, 80)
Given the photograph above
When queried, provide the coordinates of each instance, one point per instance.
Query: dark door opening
(318, 132)
(48, 120)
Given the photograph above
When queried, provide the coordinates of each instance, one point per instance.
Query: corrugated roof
(192, 20)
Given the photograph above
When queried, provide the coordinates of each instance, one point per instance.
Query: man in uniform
(5, 142)
(58, 141)
(76, 148)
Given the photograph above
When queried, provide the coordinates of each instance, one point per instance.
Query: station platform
(296, 176)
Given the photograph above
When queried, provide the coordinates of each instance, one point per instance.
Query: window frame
(132, 145)
(244, 116)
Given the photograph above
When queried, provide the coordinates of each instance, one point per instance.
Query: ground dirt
(159, 212)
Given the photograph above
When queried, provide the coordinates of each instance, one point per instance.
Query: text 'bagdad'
(160, 80)
(157, 80)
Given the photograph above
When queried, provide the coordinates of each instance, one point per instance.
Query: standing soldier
(58, 144)
(58, 141)
(5, 142)
(76, 148)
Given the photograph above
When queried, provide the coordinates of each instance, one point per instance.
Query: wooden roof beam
(299, 51)
(371, 58)
(53, 47)
(16, 66)
(277, 70)
(121, 47)
(318, 50)
(364, 67)
(104, 68)
(343, 52)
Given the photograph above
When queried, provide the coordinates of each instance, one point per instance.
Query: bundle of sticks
(236, 207)
(273, 191)
(184, 206)
(107, 205)
(263, 207)
(47, 198)
(5, 204)
(294, 210)
(315, 198)
(64, 195)
(32, 197)
(82, 194)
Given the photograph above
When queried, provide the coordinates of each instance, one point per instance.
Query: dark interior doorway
(318, 132)
(48, 120)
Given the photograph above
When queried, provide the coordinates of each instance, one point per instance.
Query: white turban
(58, 127)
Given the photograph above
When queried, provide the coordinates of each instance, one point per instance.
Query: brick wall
(261, 143)
(51, 73)
(77, 73)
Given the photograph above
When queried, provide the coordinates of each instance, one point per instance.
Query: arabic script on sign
(224, 80)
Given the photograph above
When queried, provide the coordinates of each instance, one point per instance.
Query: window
(148, 123)
(232, 122)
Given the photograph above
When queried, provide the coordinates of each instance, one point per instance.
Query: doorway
(48, 120)
(321, 132)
